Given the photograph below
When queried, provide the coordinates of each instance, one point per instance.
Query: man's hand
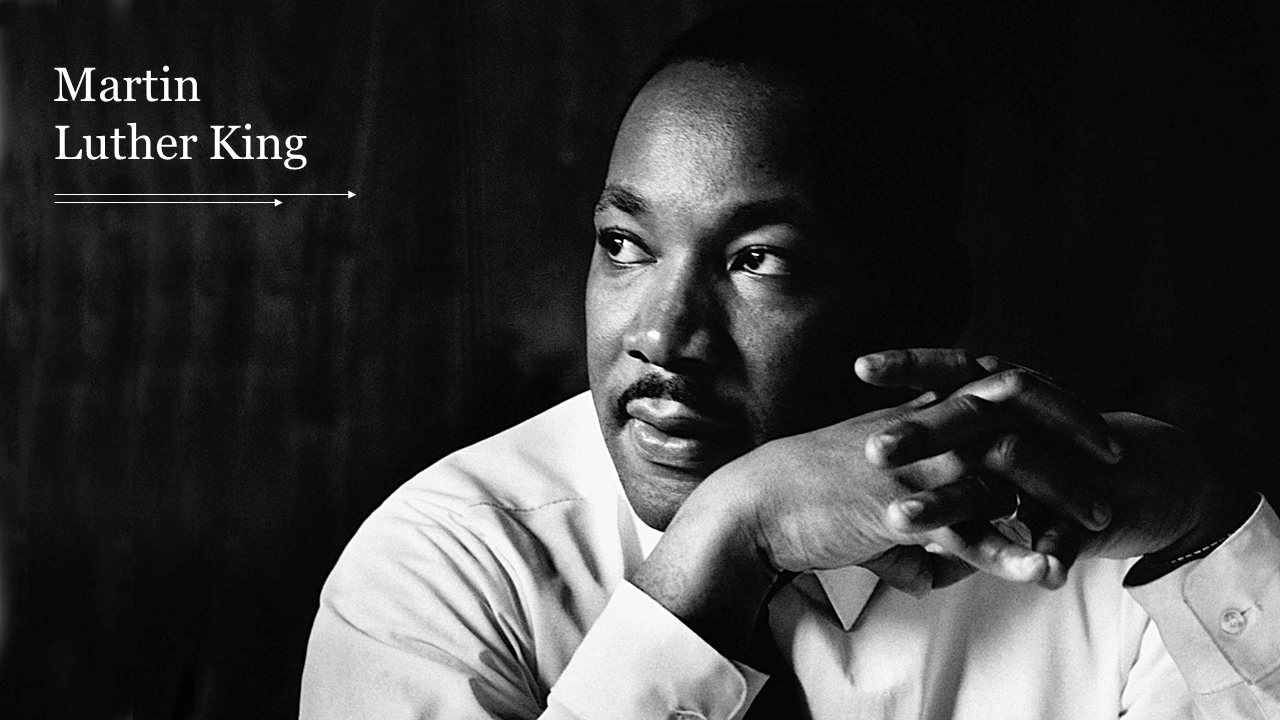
(810, 501)
(1162, 497)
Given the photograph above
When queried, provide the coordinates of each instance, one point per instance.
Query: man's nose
(678, 325)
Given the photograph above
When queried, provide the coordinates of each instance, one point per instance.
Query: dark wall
(199, 403)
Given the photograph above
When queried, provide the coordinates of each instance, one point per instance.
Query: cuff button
(1233, 622)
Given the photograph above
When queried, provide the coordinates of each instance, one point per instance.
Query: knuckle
(974, 407)
(1017, 380)
(892, 418)
(910, 429)
(960, 359)
(1006, 451)
(897, 360)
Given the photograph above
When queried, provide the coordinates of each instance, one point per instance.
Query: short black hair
(890, 135)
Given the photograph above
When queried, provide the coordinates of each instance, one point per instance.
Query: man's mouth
(670, 433)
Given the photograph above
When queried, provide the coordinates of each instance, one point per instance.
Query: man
(779, 203)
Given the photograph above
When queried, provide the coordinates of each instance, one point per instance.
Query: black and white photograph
(590, 359)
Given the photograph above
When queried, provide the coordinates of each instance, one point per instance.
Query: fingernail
(927, 398)
(911, 508)
(872, 362)
(883, 446)
(1101, 515)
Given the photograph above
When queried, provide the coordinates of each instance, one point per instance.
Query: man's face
(722, 306)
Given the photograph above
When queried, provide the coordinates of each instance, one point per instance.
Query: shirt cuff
(639, 660)
(1219, 616)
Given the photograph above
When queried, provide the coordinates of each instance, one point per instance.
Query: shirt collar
(848, 589)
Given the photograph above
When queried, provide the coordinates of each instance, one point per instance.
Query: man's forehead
(720, 100)
(700, 130)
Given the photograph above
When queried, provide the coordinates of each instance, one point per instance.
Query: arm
(418, 620)
(421, 618)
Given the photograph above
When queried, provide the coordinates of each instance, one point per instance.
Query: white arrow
(167, 202)
(348, 194)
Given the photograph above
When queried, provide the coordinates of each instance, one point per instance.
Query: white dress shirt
(492, 585)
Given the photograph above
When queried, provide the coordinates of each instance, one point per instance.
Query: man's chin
(656, 490)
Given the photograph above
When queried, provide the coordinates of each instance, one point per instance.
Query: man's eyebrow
(759, 212)
(623, 198)
(792, 211)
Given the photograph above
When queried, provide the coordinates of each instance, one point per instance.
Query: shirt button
(1233, 622)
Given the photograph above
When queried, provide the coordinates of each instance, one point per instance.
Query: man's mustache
(681, 390)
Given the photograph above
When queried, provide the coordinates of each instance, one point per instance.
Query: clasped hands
(987, 438)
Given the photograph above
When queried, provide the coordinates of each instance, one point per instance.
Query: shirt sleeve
(640, 661)
(1219, 618)
(420, 620)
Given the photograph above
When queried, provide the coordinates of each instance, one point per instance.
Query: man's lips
(668, 432)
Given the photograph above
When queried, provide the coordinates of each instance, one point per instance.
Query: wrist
(710, 572)
(1222, 519)
(1223, 514)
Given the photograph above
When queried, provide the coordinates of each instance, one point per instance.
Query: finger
(990, 405)
(1053, 409)
(993, 364)
(1052, 479)
(1041, 473)
(939, 369)
(915, 571)
(970, 498)
(1062, 543)
(931, 430)
(934, 471)
(979, 545)
(906, 567)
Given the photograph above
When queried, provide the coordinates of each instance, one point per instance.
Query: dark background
(200, 403)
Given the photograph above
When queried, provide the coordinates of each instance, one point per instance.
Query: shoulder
(557, 455)
(483, 567)
(514, 538)
(492, 514)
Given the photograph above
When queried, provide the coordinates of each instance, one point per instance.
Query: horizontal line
(164, 202)
(198, 194)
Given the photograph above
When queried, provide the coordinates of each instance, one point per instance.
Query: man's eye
(762, 261)
(622, 249)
